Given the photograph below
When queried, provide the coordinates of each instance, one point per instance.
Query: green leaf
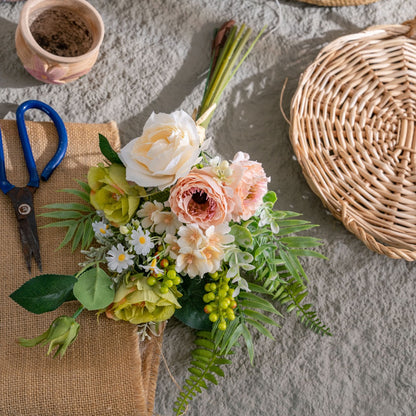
(210, 377)
(84, 186)
(295, 229)
(94, 289)
(257, 302)
(83, 195)
(74, 206)
(78, 236)
(257, 288)
(309, 253)
(260, 317)
(45, 293)
(249, 343)
(204, 343)
(242, 236)
(67, 223)
(88, 235)
(195, 371)
(271, 248)
(192, 311)
(68, 236)
(217, 370)
(262, 329)
(301, 242)
(108, 151)
(62, 215)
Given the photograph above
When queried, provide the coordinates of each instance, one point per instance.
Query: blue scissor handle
(27, 150)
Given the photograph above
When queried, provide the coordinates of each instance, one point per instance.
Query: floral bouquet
(168, 230)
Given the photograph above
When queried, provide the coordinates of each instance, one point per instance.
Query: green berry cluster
(168, 279)
(220, 303)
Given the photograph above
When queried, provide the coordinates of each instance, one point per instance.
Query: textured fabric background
(153, 58)
(32, 383)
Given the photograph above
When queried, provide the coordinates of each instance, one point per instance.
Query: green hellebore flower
(112, 194)
(62, 333)
(140, 303)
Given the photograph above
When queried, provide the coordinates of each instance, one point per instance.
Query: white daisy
(118, 259)
(101, 229)
(141, 241)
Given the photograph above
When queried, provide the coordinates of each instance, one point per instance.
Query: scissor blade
(22, 199)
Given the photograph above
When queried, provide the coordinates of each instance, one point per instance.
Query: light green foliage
(77, 217)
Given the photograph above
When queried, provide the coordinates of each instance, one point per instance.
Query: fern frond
(205, 366)
(292, 295)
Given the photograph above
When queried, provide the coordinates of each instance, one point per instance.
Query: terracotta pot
(58, 40)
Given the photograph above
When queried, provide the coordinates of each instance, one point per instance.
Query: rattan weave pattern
(338, 2)
(353, 120)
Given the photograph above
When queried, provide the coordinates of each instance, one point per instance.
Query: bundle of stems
(228, 45)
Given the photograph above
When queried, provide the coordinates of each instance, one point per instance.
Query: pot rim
(93, 15)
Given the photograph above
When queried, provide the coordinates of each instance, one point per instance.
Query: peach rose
(249, 185)
(201, 199)
(166, 151)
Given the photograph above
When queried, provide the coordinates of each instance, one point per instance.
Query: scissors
(22, 197)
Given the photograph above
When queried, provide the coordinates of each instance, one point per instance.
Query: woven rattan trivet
(338, 2)
(353, 121)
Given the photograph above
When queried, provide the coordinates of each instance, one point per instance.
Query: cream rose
(165, 152)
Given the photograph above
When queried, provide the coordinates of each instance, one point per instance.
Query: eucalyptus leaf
(45, 293)
(94, 289)
(242, 236)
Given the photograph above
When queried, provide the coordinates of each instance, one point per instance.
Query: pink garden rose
(249, 185)
(201, 199)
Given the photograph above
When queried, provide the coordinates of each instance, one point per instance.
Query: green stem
(77, 313)
(223, 68)
(220, 60)
(226, 68)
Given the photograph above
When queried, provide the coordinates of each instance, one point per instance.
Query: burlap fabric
(106, 371)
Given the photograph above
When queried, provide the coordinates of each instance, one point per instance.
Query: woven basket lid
(338, 2)
(353, 120)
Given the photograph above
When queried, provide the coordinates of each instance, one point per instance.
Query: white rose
(165, 152)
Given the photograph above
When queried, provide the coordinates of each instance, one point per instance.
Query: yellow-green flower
(139, 303)
(112, 194)
(62, 333)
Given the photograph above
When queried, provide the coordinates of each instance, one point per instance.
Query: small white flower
(221, 168)
(193, 262)
(173, 247)
(101, 229)
(219, 235)
(191, 236)
(166, 221)
(118, 259)
(141, 241)
(147, 212)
